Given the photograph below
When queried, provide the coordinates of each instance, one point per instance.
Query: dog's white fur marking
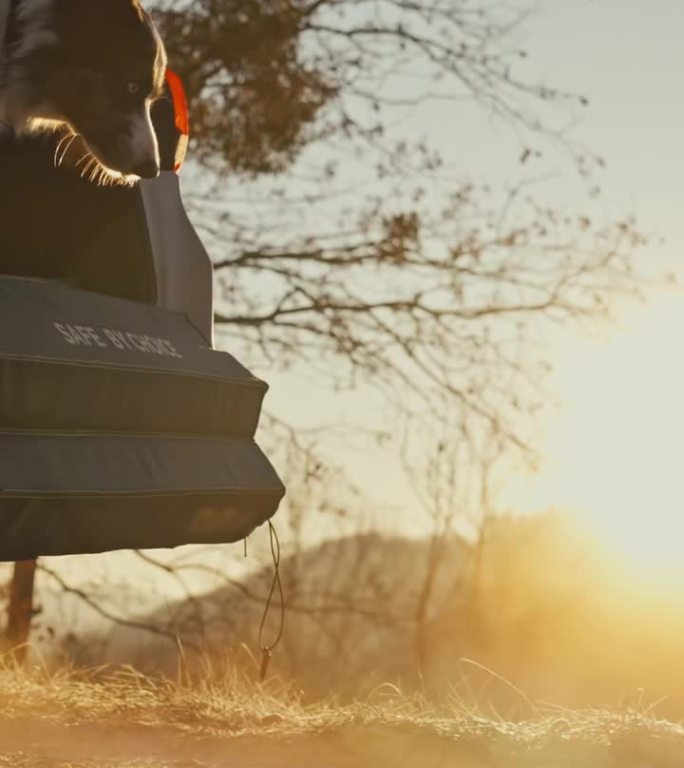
(33, 17)
(5, 10)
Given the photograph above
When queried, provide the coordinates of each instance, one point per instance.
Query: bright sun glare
(616, 454)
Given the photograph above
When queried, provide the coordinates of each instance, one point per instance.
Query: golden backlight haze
(615, 453)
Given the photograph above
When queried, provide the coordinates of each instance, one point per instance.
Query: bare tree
(354, 250)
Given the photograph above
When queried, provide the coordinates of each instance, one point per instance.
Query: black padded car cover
(65, 353)
(121, 428)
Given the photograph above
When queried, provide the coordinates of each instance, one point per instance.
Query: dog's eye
(134, 87)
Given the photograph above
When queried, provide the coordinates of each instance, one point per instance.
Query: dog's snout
(129, 146)
(142, 145)
(148, 169)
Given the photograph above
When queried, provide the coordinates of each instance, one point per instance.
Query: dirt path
(45, 744)
(51, 744)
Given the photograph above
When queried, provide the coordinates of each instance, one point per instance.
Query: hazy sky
(627, 57)
(615, 453)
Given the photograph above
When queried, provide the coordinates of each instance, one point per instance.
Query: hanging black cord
(276, 584)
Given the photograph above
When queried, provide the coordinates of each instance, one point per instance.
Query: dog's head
(95, 65)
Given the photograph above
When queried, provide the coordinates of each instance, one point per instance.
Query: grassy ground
(124, 720)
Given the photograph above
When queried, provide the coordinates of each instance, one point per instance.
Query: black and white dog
(90, 66)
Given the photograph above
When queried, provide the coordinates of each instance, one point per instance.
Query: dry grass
(124, 720)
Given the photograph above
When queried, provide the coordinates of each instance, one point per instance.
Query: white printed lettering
(134, 339)
(113, 338)
(88, 336)
(64, 330)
